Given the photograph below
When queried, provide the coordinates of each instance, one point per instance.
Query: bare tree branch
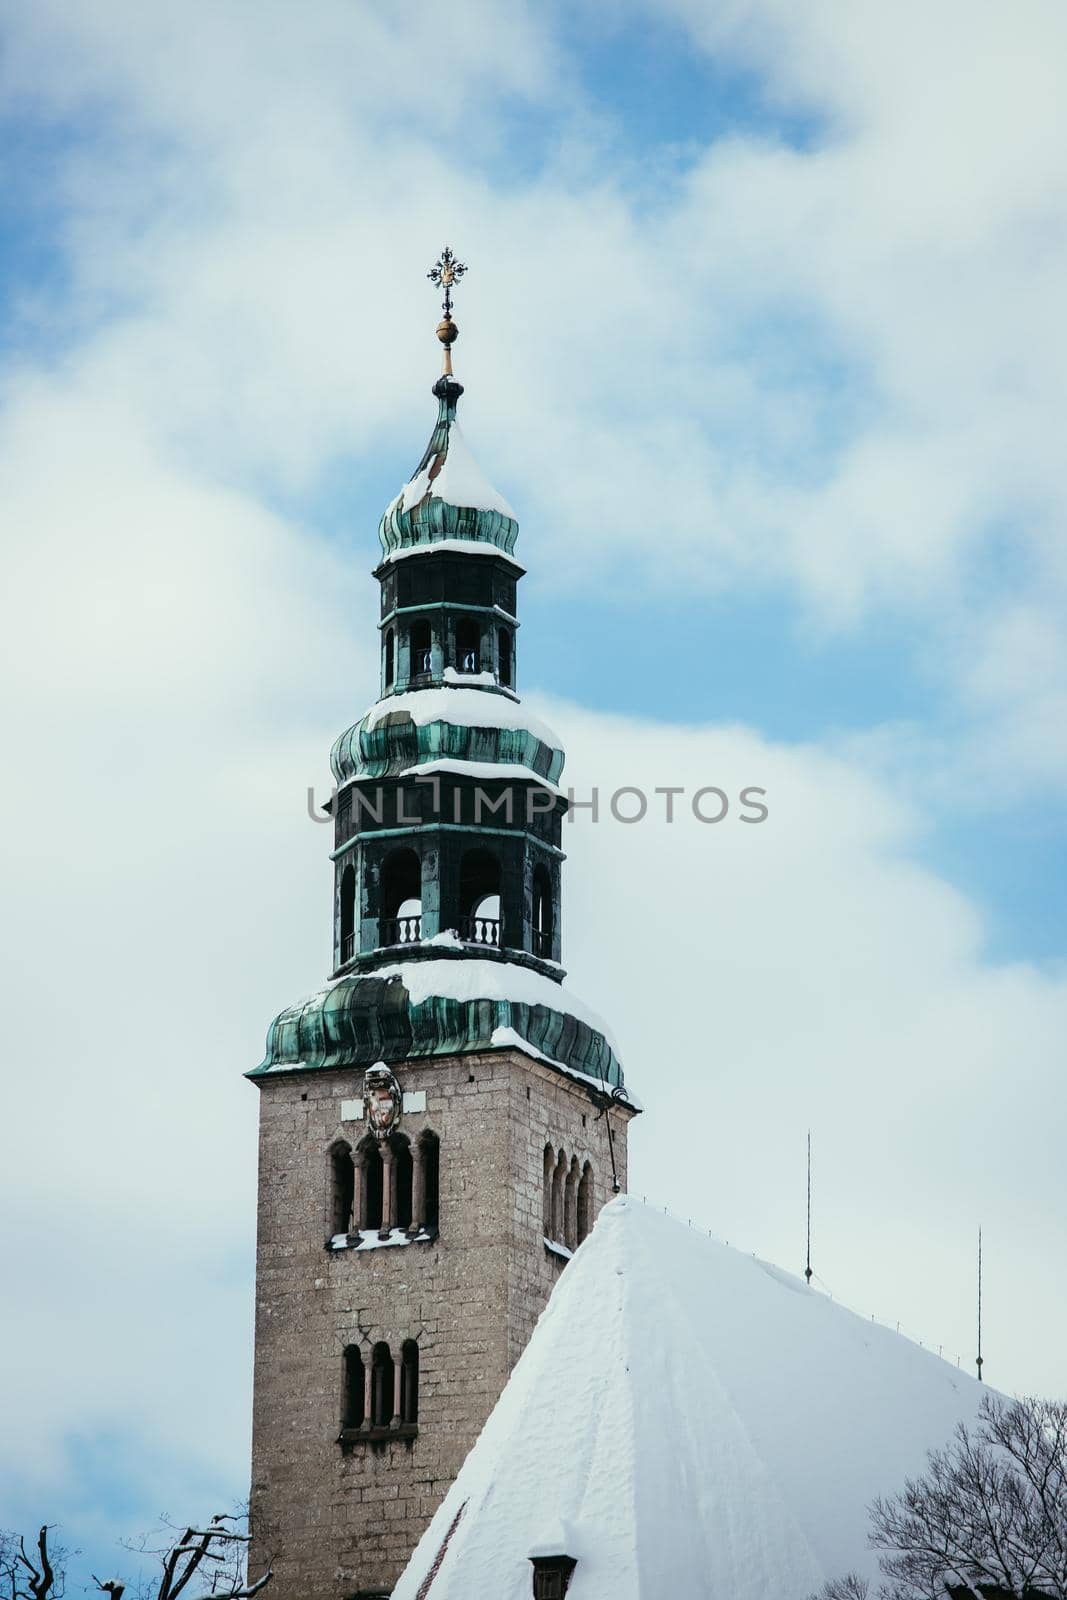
(987, 1520)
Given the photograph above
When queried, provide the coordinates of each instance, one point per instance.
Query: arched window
(479, 895)
(348, 913)
(390, 657)
(402, 1178)
(550, 1167)
(504, 656)
(353, 1390)
(585, 1202)
(401, 898)
(342, 1188)
(382, 1382)
(559, 1177)
(373, 1196)
(542, 912)
(468, 645)
(421, 644)
(409, 1381)
(430, 1162)
(570, 1206)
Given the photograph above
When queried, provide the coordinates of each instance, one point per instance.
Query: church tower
(440, 1123)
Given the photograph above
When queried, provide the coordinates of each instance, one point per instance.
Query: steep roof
(693, 1423)
(448, 497)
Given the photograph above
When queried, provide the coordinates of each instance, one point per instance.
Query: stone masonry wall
(340, 1522)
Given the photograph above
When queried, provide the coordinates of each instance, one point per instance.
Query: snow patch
(468, 708)
(469, 679)
(460, 482)
(373, 1241)
(510, 1038)
(504, 770)
(484, 980)
(465, 547)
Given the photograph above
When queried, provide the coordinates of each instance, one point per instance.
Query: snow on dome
(470, 708)
(699, 1423)
(462, 547)
(461, 482)
(491, 980)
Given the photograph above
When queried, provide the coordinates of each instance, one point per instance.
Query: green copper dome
(439, 1007)
(458, 724)
(447, 497)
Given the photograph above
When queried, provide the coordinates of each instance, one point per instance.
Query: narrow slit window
(342, 1188)
(403, 1173)
(374, 1192)
(430, 1155)
(409, 1382)
(383, 1379)
(353, 1398)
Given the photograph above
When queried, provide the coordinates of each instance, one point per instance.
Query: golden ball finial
(447, 331)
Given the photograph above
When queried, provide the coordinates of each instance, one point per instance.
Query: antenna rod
(807, 1268)
(978, 1359)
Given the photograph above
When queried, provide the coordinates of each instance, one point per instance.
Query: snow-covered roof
(473, 708)
(702, 1424)
(462, 547)
(503, 1004)
(448, 500)
(460, 480)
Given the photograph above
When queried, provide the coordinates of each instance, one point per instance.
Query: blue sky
(762, 336)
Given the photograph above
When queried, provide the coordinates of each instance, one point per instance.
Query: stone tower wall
(336, 1521)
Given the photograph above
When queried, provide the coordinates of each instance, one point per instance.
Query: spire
(445, 273)
(447, 496)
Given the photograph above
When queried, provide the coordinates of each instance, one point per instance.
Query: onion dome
(448, 495)
(447, 724)
(440, 1007)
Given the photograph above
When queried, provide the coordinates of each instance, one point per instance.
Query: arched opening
(559, 1176)
(430, 1159)
(353, 1393)
(401, 898)
(342, 1188)
(373, 1197)
(348, 913)
(409, 1382)
(390, 657)
(382, 1382)
(504, 657)
(542, 912)
(570, 1206)
(421, 645)
(479, 897)
(550, 1167)
(403, 1170)
(468, 645)
(585, 1202)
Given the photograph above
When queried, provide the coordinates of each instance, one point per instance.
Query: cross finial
(445, 273)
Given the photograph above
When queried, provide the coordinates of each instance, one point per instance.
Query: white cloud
(840, 366)
(242, 245)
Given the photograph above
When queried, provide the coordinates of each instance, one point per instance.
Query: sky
(763, 338)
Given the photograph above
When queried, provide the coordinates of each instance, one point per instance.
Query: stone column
(570, 1208)
(359, 1192)
(388, 1191)
(418, 1187)
(368, 1393)
(398, 1370)
(556, 1235)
